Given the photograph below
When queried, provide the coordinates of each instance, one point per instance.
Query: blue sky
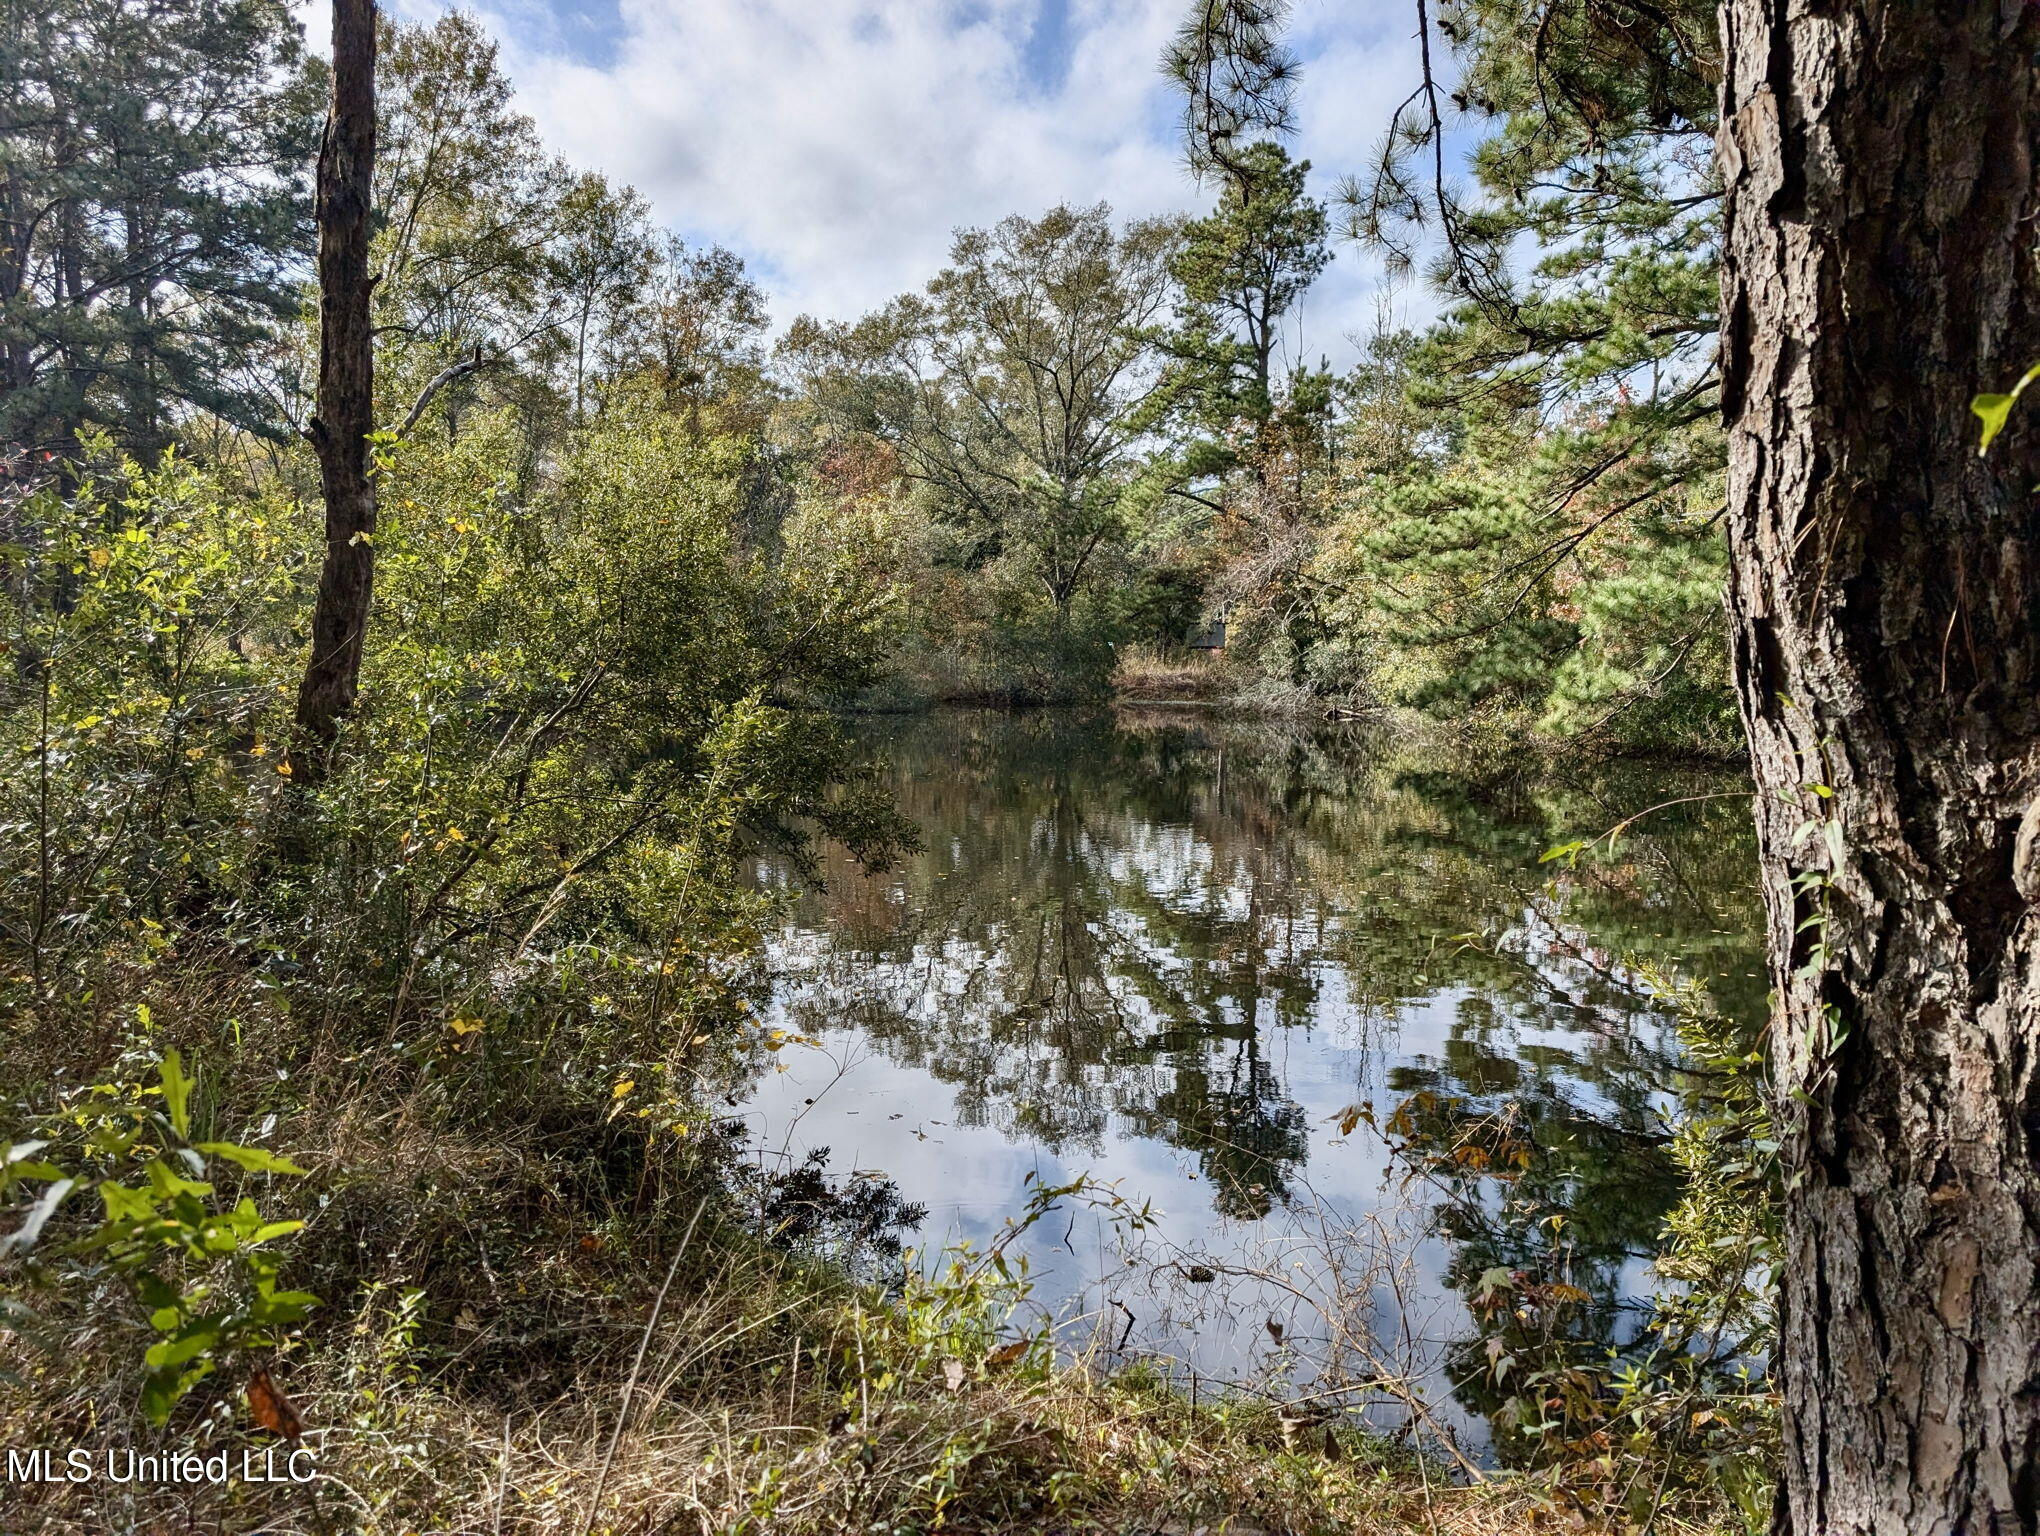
(835, 144)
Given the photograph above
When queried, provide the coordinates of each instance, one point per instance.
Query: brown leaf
(1006, 1354)
(272, 1410)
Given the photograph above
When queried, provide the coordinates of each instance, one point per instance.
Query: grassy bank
(556, 1320)
(539, 1313)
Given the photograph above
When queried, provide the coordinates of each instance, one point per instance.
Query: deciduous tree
(1017, 388)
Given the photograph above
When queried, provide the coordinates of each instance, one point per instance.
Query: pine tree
(1239, 273)
(1880, 269)
(154, 213)
(1563, 559)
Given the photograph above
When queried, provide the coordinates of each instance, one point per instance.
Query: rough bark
(1879, 163)
(345, 409)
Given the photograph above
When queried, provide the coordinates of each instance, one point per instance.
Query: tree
(1878, 268)
(1579, 590)
(465, 193)
(695, 337)
(491, 249)
(599, 266)
(1237, 76)
(1017, 389)
(152, 209)
(345, 418)
(1239, 272)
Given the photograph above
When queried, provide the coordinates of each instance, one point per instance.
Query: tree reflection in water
(1121, 922)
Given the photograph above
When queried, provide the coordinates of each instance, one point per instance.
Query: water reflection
(1172, 949)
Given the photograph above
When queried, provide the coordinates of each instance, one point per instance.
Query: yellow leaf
(99, 558)
(464, 1025)
(456, 835)
(623, 1086)
(284, 769)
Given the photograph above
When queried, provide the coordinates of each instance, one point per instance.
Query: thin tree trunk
(345, 411)
(1879, 162)
(143, 427)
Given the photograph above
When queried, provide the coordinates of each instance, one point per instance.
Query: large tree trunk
(1879, 162)
(345, 411)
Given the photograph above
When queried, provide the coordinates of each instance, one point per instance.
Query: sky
(837, 144)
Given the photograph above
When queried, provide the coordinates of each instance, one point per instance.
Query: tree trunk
(345, 411)
(1879, 162)
(144, 435)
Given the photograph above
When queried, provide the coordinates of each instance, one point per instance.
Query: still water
(1174, 952)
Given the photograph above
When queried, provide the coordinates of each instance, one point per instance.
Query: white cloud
(836, 144)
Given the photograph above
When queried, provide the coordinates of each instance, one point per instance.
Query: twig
(503, 1480)
(630, 1385)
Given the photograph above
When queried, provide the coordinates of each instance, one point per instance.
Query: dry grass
(1145, 674)
(735, 1390)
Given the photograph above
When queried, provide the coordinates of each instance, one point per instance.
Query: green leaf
(124, 1204)
(254, 1159)
(176, 1351)
(167, 1186)
(282, 1307)
(1995, 410)
(160, 1391)
(177, 1091)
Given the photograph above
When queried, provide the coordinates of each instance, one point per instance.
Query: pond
(1200, 960)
